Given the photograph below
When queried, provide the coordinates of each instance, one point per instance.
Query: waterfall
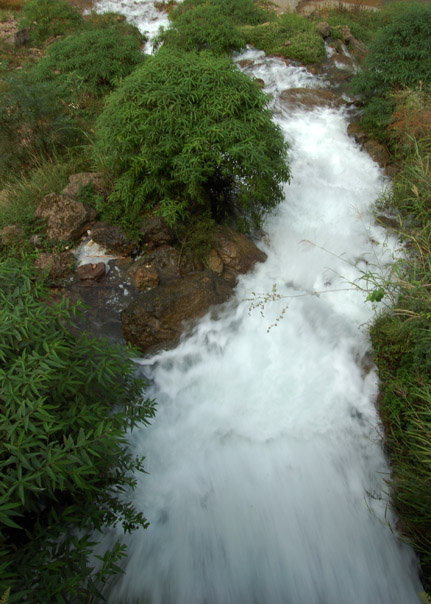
(267, 480)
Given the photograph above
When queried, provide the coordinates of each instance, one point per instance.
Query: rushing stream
(266, 476)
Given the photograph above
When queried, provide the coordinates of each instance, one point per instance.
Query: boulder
(158, 317)
(378, 152)
(310, 97)
(165, 259)
(113, 239)
(236, 252)
(324, 29)
(146, 277)
(58, 266)
(91, 272)
(355, 131)
(82, 179)
(11, 235)
(66, 219)
(155, 231)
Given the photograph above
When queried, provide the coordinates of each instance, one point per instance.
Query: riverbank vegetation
(76, 94)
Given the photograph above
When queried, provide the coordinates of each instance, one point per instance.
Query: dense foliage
(34, 122)
(66, 405)
(190, 131)
(91, 61)
(400, 56)
(47, 18)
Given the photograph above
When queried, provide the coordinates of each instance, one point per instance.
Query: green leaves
(66, 405)
(187, 130)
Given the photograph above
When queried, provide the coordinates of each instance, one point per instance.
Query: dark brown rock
(155, 231)
(311, 97)
(354, 130)
(378, 152)
(58, 266)
(324, 29)
(237, 253)
(82, 179)
(91, 272)
(11, 235)
(66, 219)
(21, 37)
(113, 239)
(157, 319)
(165, 259)
(146, 277)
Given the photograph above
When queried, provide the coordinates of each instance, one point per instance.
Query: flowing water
(266, 476)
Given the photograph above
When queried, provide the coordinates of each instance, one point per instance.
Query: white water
(267, 477)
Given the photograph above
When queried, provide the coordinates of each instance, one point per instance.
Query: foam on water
(266, 476)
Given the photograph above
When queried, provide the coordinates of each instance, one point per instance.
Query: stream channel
(267, 479)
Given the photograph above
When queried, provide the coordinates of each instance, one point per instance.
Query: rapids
(266, 479)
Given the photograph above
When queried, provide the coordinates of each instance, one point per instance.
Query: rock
(11, 235)
(91, 272)
(146, 277)
(288, 43)
(165, 259)
(155, 231)
(21, 37)
(324, 29)
(259, 82)
(157, 319)
(354, 130)
(245, 63)
(113, 239)
(215, 263)
(82, 179)
(237, 253)
(310, 98)
(58, 266)
(378, 152)
(66, 218)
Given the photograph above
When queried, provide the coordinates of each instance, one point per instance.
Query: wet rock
(158, 317)
(146, 277)
(58, 266)
(155, 232)
(165, 259)
(66, 219)
(378, 152)
(91, 272)
(11, 235)
(237, 253)
(215, 263)
(354, 130)
(259, 82)
(310, 97)
(245, 63)
(21, 37)
(389, 221)
(113, 239)
(324, 29)
(82, 179)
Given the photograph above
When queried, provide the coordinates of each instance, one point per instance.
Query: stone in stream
(156, 319)
(66, 219)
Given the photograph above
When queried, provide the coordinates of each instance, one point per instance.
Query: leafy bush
(186, 131)
(400, 56)
(92, 61)
(34, 123)
(47, 18)
(362, 23)
(304, 44)
(240, 12)
(204, 27)
(66, 405)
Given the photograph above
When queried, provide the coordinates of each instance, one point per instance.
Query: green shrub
(362, 23)
(66, 405)
(187, 131)
(34, 123)
(291, 36)
(47, 18)
(203, 27)
(92, 61)
(240, 12)
(400, 57)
